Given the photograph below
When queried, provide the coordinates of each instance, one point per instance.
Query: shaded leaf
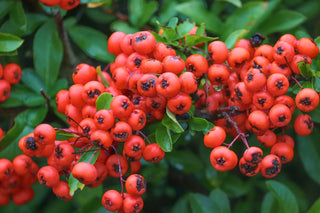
(315, 207)
(309, 155)
(123, 27)
(200, 203)
(32, 80)
(221, 200)
(282, 21)
(140, 11)
(198, 124)
(181, 206)
(185, 161)
(9, 43)
(92, 42)
(269, 204)
(34, 21)
(286, 199)
(17, 16)
(171, 122)
(5, 7)
(47, 55)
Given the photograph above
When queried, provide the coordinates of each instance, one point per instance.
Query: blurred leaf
(286, 199)
(282, 21)
(221, 200)
(61, 135)
(244, 17)
(18, 17)
(163, 138)
(88, 157)
(269, 204)
(5, 7)
(99, 16)
(305, 69)
(167, 11)
(173, 22)
(185, 161)
(235, 36)
(315, 207)
(104, 101)
(48, 52)
(91, 41)
(234, 186)
(184, 28)
(123, 27)
(201, 30)
(236, 3)
(140, 11)
(200, 14)
(21, 95)
(92, 1)
(192, 40)
(9, 43)
(34, 20)
(201, 204)
(181, 206)
(309, 155)
(12, 53)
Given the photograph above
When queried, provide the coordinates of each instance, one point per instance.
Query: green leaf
(305, 84)
(184, 28)
(286, 199)
(60, 84)
(9, 43)
(282, 21)
(235, 36)
(169, 33)
(163, 138)
(236, 3)
(244, 18)
(123, 27)
(173, 22)
(18, 17)
(73, 183)
(103, 79)
(93, 1)
(32, 80)
(269, 204)
(305, 69)
(48, 53)
(315, 114)
(200, 14)
(171, 122)
(192, 40)
(221, 200)
(21, 95)
(181, 206)
(201, 204)
(185, 161)
(34, 21)
(61, 135)
(315, 207)
(198, 124)
(92, 42)
(5, 7)
(104, 101)
(201, 30)
(309, 155)
(140, 11)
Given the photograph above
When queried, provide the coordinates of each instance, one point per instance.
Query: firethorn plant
(222, 92)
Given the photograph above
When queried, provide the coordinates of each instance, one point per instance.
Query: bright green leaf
(305, 69)
(163, 138)
(236, 3)
(103, 79)
(192, 40)
(9, 43)
(305, 84)
(104, 101)
(48, 53)
(198, 124)
(92, 42)
(286, 199)
(235, 36)
(315, 207)
(173, 22)
(62, 135)
(173, 124)
(184, 28)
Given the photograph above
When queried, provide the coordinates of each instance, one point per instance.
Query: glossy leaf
(286, 199)
(163, 138)
(104, 101)
(282, 21)
(200, 14)
(171, 122)
(47, 55)
(235, 36)
(198, 124)
(309, 155)
(221, 200)
(9, 43)
(92, 42)
(305, 69)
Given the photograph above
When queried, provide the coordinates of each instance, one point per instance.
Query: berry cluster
(63, 4)
(10, 75)
(253, 81)
(16, 179)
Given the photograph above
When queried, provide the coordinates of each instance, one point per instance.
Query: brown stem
(120, 172)
(144, 136)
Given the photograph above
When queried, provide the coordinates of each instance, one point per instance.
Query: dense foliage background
(48, 43)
